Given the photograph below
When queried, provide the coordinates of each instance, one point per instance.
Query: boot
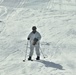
(38, 58)
(29, 58)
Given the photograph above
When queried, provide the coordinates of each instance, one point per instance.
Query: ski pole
(42, 53)
(26, 52)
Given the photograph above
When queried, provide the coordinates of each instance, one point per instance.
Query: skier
(34, 38)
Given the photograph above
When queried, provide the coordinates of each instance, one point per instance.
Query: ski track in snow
(58, 29)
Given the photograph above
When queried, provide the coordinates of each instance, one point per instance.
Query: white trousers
(36, 47)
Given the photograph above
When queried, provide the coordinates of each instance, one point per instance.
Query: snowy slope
(57, 27)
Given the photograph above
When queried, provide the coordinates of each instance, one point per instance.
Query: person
(34, 37)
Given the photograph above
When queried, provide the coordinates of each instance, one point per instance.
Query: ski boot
(38, 58)
(29, 58)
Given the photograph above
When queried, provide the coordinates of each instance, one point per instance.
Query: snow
(55, 20)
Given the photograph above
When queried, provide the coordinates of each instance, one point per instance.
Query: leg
(37, 50)
(31, 50)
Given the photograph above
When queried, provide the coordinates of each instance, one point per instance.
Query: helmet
(34, 28)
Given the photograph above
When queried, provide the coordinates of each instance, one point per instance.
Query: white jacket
(32, 36)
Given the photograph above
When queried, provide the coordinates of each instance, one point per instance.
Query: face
(34, 30)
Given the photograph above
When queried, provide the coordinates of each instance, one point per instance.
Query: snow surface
(55, 20)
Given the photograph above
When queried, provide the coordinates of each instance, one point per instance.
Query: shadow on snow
(51, 64)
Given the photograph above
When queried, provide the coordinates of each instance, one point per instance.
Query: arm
(28, 38)
(39, 36)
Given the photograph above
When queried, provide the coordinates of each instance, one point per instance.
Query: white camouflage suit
(32, 36)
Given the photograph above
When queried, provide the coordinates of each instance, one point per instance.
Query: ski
(30, 60)
(27, 60)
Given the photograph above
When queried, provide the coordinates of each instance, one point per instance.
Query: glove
(35, 41)
(28, 38)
